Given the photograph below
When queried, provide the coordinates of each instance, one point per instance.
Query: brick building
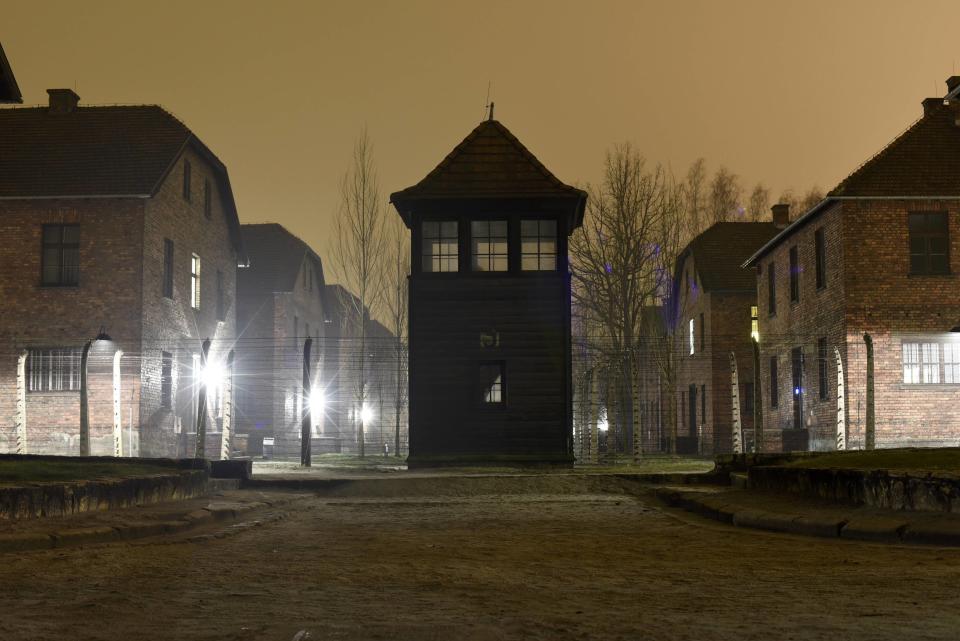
(117, 218)
(714, 300)
(279, 304)
(878, 256)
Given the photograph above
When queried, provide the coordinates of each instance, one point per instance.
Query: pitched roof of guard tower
(490, 163)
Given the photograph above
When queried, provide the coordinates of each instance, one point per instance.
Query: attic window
(186, 180)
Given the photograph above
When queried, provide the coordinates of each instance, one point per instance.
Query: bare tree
(725, 193)
(358, 250)
(800, 205)
(395, 303)
(759, 207)
(695, 198)
(615, 260)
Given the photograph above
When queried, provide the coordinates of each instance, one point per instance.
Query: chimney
(781, 215)
(929, 104)
(952, 83)
(63, 101)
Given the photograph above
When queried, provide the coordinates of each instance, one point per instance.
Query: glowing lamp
(212, 374)
(318, 400)
(366, 414)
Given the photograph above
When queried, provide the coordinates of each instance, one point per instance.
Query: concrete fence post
(306, 433)
(870, 431)
(841, 404)
(200, 451)
(735, 405)
(84, 401)
(117, 418)
(757, 400)
(21, 421)
(225, 443)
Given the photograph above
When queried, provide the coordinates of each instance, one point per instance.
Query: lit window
(492, 382)
(441, 250)
(166, 380)
(488, 240)
(61, 255)
(538, 245)
(951, 363)
(754, 323)
(53, 369)
(921, 363)
(195, 281)
(692, 337)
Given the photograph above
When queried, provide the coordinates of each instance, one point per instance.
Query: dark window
(747, 406)
(794, 275)
(61, 255)
(168, 268)
(186, 180)
(220, 302)
(796, 360)
(929, 244)
(774, 395)
(703, 404)
(822, 368)
(207, 198)
(55, 369)
(538, 245)
(441, 250)
(166, 380)
(492, 383)
(772, 289)
(488, 242)
(703, 333)
(820, 246)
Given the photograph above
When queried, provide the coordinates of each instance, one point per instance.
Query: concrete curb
(60, 538)
(895, 528)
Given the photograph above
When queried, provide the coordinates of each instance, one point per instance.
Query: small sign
(490, 339)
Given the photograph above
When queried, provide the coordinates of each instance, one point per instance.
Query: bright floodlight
(212, 374)
(318, 400)
(602, 424)
(366, 414)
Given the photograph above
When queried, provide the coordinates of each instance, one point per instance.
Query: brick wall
(172, 324)
(868, 289)
(38, 316)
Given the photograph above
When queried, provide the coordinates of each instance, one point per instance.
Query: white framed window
(911, 362)
(488, 242)
(930, 363)
(195, 281)
(53, 369)
(951, 363)
(693, 336)
(538, 245)
(441, 246)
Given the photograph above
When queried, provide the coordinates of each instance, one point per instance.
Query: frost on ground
(561, 565)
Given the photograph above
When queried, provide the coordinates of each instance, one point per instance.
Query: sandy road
(471, 568)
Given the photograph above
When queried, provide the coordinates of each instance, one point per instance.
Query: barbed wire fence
(145, 401)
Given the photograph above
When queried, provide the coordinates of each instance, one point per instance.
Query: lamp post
(84, 393)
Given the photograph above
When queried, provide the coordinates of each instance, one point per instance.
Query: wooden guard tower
(490, 373)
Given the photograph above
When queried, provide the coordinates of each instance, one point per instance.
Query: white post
(841, 409)
(735, 404)
(21, 421)
(227, 391)
(117, 418)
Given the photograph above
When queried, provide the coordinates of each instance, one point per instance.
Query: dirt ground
(524, 566)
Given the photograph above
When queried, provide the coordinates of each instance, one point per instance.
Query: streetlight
(84, 401)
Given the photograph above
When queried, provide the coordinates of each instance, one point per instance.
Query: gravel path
(601, 566)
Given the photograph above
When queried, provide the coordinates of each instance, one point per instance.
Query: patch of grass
(919, 459)
(653, 464)
(12, 472)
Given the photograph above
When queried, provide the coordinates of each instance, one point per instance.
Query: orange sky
(788, 93)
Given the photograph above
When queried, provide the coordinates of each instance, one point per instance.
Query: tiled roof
(92, 151)
(275, 257)
(9, 91)
(923, 161)
(719, 252)
(490, 162)
(98, 152)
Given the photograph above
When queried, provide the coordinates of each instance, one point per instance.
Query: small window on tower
(492, 383)
(488, 240)
(538, 240)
